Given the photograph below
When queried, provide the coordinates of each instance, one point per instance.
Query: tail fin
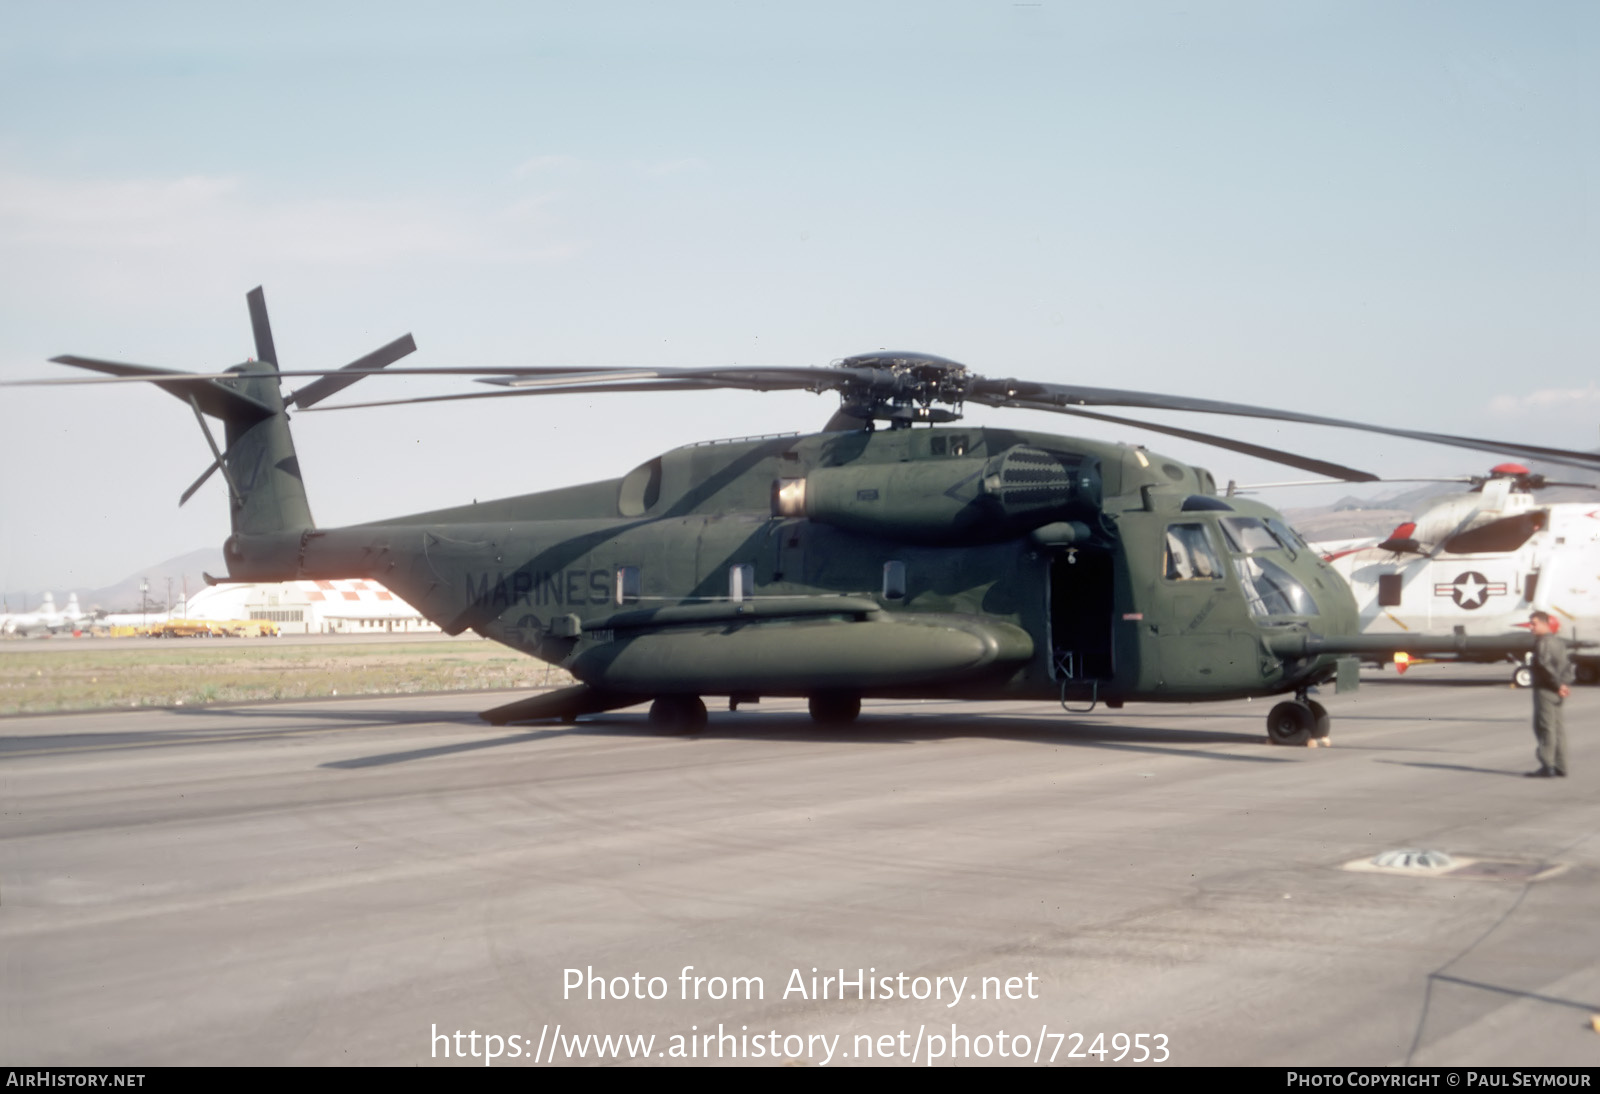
(266, 492)
(263, 472)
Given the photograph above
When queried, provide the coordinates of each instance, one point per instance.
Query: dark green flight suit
(1552, 669)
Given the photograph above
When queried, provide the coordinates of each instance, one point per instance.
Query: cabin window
(894, 580)
(1389, 590)
(948, 446)
(741, 582)
(1498, 536)
(1189, 554)
(627, 587)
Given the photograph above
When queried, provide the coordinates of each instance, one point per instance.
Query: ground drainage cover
(1417, 862)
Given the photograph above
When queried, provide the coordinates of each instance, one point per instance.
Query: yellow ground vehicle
(181, 628)
(246, 628)
(213, 628)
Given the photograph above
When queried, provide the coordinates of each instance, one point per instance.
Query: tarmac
(355, 881)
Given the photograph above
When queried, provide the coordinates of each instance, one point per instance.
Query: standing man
(1552, 672)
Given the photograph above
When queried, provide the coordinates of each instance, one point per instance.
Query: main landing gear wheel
(833, 709)
(1321, 721)
(678, 713)
(1587, 673)
(1291, 723)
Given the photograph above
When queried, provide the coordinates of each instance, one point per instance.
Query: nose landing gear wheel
(678, 713)
(1523, 677)
(1291, 723)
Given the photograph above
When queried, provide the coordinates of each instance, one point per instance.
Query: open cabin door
(1080, 616)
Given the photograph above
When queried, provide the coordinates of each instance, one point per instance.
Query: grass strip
(194, 674)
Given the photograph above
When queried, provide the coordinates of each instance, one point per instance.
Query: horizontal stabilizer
(214, 397)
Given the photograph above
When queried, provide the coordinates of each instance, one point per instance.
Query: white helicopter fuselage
(1478, 564)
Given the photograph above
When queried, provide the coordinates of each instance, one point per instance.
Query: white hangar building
(312, 607)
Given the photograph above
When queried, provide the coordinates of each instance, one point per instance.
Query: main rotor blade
(823, 378)
(126, 373)
(761, 378)
(374, 362)
(1001, 392)
(265, 351)
(1289, 459)
(574, 389)
(758, 379)
(1242, 487)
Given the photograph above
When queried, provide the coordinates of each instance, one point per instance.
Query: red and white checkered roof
(351, 589)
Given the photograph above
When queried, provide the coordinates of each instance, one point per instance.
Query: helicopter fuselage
(967, 561)
(1478, 565)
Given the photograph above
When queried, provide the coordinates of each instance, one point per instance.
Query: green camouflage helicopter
(945, 561)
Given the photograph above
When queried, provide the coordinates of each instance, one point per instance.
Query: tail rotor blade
(265, 350)
(198, 483)
(318, 390)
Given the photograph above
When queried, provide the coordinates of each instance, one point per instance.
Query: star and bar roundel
(1470, 590)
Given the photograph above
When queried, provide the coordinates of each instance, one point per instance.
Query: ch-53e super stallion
(925, 559)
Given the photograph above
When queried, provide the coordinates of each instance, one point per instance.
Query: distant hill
(1326, 524)
(124, 596)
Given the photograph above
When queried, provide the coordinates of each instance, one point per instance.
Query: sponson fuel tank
(879, 652)
(952, 501)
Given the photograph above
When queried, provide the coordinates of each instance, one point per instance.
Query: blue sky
(1382, 211)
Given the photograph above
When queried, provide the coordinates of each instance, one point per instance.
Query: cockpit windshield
(1247, 535)
(1271, 591)
(1287, 536)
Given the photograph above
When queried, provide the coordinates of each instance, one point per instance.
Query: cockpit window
(1271, 591)
(1247, 535)
(1189, 554)
(1287, 536)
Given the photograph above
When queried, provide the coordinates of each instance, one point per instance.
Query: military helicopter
(944, 560)
(1479, 562)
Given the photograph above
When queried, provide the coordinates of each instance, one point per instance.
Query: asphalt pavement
(357, 881)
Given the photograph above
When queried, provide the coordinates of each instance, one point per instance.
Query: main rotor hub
(903, 388)
(1523, 481)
